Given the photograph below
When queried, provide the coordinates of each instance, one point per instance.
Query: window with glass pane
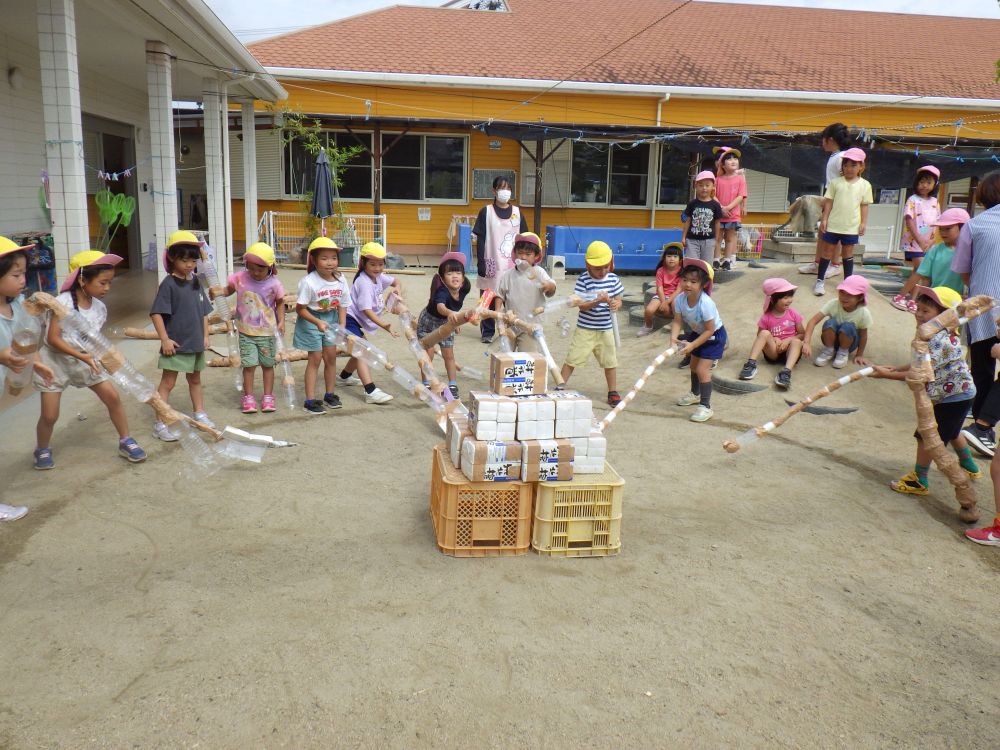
(401, 168)
(300, 167)
(356, 174)
(444, 160)
(629, 175)
(589, 182)
(674, 176)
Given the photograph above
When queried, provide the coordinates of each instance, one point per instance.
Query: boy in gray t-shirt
(523, 291)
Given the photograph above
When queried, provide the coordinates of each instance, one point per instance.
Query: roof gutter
(628, 89)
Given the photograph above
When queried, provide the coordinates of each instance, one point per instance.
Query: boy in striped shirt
(593, 333)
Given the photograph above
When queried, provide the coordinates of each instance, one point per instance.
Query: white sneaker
(12, 512)
(819, 288)
(701, 414)
(841, 359)
(688, 399)
(809, 268)
(200, 416)
(351, 379)
(644, 331)
(824, 357)
(378, 396)
(833, 270)
(163, 432)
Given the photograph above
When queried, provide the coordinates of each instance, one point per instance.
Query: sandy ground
(782, 597)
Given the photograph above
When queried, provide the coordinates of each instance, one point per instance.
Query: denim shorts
(832, 238)
(307, 336)
(848, 329)
(913, 256)
(730, 225)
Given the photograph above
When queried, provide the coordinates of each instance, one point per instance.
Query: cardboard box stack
(557, 429)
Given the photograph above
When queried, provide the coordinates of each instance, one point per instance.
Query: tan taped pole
(646, 375)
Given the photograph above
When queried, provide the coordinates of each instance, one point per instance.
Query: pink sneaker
(267, 404)
(901, 302)
(989, 536)
(249, 404)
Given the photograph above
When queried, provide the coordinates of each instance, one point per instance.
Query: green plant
(308, 133)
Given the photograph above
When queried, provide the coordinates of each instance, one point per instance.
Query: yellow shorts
(586, 341)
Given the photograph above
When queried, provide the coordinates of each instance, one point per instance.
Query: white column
(215, 189)
(250, 217)
(163, 177)
(227, 194)
(63, 129)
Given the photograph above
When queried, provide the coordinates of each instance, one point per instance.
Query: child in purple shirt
(364, 315)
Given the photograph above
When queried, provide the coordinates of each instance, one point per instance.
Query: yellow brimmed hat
(262, 253)
(87, 258)
(9, 246)
(372, 250)
(598, 254)
(323, 243)
(943, 296)
(183, 237)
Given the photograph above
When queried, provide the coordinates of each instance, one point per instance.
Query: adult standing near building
(496, 227)
(977, 259)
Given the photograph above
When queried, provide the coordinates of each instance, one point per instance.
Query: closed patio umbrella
(322, 203)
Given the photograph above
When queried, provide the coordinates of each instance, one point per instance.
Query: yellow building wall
(408, 235)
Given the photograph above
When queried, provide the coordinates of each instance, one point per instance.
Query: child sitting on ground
(707, 338)
(846, 328)
(668, 281)
(593, 333)
(260, 316)
(951, 391)
(522, 295)
(779, 333)
(449, 288)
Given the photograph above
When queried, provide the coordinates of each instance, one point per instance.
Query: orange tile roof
(700, 44)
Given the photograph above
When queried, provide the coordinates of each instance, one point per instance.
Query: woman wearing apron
(496, 227)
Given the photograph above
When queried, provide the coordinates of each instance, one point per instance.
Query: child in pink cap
(731, 192)
(700, 237)
(919, 216)
(935, 267)
(779, 333)
(449, 288)
(845, 330)
(845, 215)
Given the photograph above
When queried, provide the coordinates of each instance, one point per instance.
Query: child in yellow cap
(91, 274)
(180, 316)
(951, 391)
(260, 316)
(593, 334)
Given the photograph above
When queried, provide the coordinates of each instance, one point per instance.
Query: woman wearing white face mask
(496, 227)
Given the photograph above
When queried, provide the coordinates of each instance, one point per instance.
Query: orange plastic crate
(581, 517)
(478, 519)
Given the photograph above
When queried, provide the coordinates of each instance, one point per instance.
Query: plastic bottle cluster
(209, 278)
(26, 340)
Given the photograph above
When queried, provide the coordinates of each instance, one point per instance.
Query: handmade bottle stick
(395, 305)
(145, 334)
(921, 373)
(208, 275)
(24, 343)
(755, 433)
(646, 375)
(126, 377)
(287, 378)
(505, 319)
